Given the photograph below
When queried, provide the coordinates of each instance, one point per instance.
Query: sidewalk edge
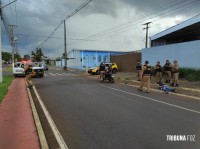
(176, 94)
(41, 135)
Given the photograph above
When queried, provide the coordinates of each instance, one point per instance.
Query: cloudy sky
(102, 24)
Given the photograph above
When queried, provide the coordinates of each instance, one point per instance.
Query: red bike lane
(17, 127)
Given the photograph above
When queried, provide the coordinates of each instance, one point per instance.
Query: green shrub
(190, 74)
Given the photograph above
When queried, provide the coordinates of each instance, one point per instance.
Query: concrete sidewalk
(17, 127)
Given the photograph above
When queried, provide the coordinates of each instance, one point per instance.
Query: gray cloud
(39, 18)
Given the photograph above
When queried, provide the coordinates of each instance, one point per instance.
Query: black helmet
(146, 62)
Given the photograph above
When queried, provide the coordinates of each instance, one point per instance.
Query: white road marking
(72, 74)
(58, 74)
(169, 104)
(38, 124)
(55, 130)
(52, 74)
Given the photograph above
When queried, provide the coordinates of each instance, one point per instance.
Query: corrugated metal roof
(177, 27)
(92, 50)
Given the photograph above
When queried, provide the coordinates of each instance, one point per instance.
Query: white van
(18, 69)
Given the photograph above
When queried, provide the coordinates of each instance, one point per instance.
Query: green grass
(7, 69)
(190, 74)
(127, 78)
(4, 86)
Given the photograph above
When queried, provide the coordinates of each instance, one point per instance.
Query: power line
(8, 4)
(127, 28)
(11, 13)
(113, 32)
(2, 17)
(99, 35)
(119, 27)
(62, 21)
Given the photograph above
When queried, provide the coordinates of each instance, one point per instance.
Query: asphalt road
(94, 115)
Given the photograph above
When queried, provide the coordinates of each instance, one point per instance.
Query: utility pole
(1, 17)
(1, 71)
(12, 43)
(146, 28)
(65, 47)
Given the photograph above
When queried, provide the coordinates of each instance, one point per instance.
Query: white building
(180, 42)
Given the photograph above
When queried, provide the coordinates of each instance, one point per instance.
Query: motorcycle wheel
(111, 80)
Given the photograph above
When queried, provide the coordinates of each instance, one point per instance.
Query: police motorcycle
(108, 75)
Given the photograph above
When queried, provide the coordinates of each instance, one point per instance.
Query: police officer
(175, 68)
(158, 70)
(28, 73)
(102, 69)
(139, 71)
(146, 76)
(168, 69)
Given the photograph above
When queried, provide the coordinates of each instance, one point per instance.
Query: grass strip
(4, 86)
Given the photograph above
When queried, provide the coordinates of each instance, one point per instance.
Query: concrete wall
(187, 54)
(75, 59)
(127, 62)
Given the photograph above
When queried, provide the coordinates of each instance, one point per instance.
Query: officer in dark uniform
(146, 77)
(158, 70)
(139, 70)
(102, 70)
(168, 69)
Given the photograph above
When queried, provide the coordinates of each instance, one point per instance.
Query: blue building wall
(88, 58)
(94, 58)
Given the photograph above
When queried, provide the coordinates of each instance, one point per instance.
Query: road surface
(94, 115)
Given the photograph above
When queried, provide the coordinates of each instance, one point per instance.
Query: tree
(37, 55)
(6, 56)
(17, 57)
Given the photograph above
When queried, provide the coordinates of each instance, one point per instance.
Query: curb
(156, 90)
(42, 138)
(176, 94)
(54, 128)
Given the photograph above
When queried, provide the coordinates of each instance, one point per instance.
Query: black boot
(176, 85)
(172, 84)
(166, 81)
